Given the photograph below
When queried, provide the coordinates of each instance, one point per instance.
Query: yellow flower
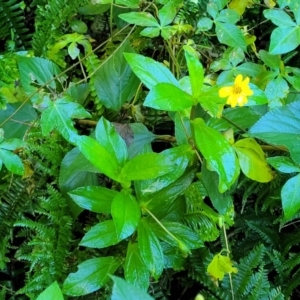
(238, 93)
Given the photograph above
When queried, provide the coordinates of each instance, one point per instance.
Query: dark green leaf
(92, 274)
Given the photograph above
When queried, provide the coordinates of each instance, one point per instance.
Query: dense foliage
(149, 149)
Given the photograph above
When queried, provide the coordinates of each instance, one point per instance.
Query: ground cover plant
(149, 149)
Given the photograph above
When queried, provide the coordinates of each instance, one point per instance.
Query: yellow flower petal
(225, 91)
(238, 80)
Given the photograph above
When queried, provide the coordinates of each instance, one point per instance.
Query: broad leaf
(272, 61)
(126, 291)
(218, 153)
(101, 235)
(92, 274)
(167, 13)
(290, 197)
(150, 249)
(166, 96)
(195, 68)
(136, 272)
(11, 161)
(149, 71)
(252, 160)
(279, 17)
(146, 166)
(126, 214)
(281, 127)
(52, 292)
(115, 83)
(283, 164)
(58, 114)
(139, 18)
(94, 198)
(108, 138)
(98, 156)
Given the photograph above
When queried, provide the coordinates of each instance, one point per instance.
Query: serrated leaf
(283, 164)
(139, 18)
(98, 156)
(251, 159)
(108, 138)
(92, 274)
(281, 127)
(149, 71)
(150, 249)
(290, 197)
(230, 35)
(218, 153)
(166, 96)
(94, 198)
(136, 272)
(58, 115)
(115, 83)
(101, 235)
(52, 292)
(196, 72)
(284, 39)
(126, 214)
(126, 291)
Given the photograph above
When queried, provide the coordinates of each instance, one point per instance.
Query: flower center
(237, 89)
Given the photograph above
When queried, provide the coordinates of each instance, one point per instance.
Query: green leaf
(146, 166)
(126, 214)
(73, 50)
(290, 196)
(92, 274)
(150, 249)
(94, 198)
(281, 127)
(129, 3)
(139, 18)
(204, 24)
(11, 161)
(218, 153)
(149, 71)
(98, 156)
(52, 292)
(58, 114)
(93, 9)
(136, 272)
(279, 17)
(227, 16)
(167, 32)
(182, 237)
(12, 144)
(115, 83)
(252, 158)
(108, 138)
(126, 291)
(272, 61)
(230, 35)
(150, 32)
(283, 164)
(166, 96)
(167, 13)
(284, 39)
(195, 68)
(182, 129)
(101, 235)
(276, 90)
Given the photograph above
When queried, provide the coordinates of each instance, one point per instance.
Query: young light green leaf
(284, 39)
(139, 18)
(136, 272)
(92, 274)
(115, 83)
(252, 158)
(58, 116)
(52, 292)
(150, 249)
(101, 235)
(98, 156)
(146, 166)
(281, 127)
(11, 161)
(94, 198)
(283, 164)
(218, 153)
(126, 291)
(166, 96)
(195, 68)
(230, 35)
(126, 214)
(108, 138)
(290, 197)
(149, 71)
